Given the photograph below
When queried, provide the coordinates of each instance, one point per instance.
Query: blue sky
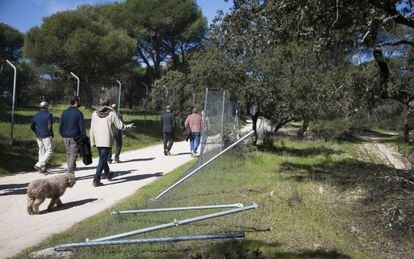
(24, 14)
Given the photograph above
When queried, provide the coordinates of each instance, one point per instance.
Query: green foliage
(82, 41)
(11, 42)
(179, 95)
(165, 30)
(328, 130)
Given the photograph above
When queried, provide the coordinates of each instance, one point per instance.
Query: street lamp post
(145, 106)
(119, 95)
(78, 82)
(13, 100)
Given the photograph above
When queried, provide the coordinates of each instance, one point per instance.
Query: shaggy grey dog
(52, 188)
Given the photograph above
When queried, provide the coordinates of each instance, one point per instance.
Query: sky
(24, 14)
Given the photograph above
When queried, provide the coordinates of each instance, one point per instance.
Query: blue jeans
(194, 141)
(103, 162)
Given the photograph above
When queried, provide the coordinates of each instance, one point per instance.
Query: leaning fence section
(208, 201)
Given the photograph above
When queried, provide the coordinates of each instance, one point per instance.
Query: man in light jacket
(104, 124)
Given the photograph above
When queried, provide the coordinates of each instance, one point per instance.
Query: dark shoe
(116, 161)
(97, 184)
(165, 153)
(110, 176)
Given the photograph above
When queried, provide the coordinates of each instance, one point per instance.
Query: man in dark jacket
(42, 126)
(168, 129)
(72, 127)
(118, 135)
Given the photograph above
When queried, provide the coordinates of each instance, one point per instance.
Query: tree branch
(400, 42)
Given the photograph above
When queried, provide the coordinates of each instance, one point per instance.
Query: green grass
(316, 199)
(23, 154)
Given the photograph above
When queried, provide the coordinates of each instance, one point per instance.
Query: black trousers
(168, 139)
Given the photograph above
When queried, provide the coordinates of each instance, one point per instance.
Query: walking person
(194, 121)
(71, 128)
(103, 125)
(168, 129)
(118, 135)
(42, 126)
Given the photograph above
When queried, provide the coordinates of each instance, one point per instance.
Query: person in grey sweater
(168, 129)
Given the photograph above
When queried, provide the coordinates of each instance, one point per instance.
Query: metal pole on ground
(203, 165)
(119, 95)
(78, 83)
(148, 240)
(206, 207)
(145, 105)
(176, 223)
(13, 100)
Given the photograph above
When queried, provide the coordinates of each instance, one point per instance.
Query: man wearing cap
(71, 127)
(42, 126)
(168, 129)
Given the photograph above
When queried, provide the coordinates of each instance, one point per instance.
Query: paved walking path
(20, 230)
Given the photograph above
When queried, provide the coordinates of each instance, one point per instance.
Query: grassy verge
(23, 155)
(322, 200)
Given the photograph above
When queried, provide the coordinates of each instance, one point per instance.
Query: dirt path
(389, 156)
(20, 230)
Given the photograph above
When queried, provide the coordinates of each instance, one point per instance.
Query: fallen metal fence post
(236, 205)
(176, 223)
(203, 165)
(148, 240)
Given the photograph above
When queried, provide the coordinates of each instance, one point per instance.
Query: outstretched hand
(129, 126)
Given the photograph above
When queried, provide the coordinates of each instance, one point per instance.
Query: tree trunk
(303, 128)
(406, 133)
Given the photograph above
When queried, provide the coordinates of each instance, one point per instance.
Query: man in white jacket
(104, 124)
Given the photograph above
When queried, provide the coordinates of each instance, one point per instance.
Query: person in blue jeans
(104, 122)
(194, 121)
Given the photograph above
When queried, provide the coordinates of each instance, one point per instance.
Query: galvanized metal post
(222, 120)
(148, 240)
(203, 165)
(176, 223)
(78, 83)
(13, 101)
(204, 132)
(119, 95)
